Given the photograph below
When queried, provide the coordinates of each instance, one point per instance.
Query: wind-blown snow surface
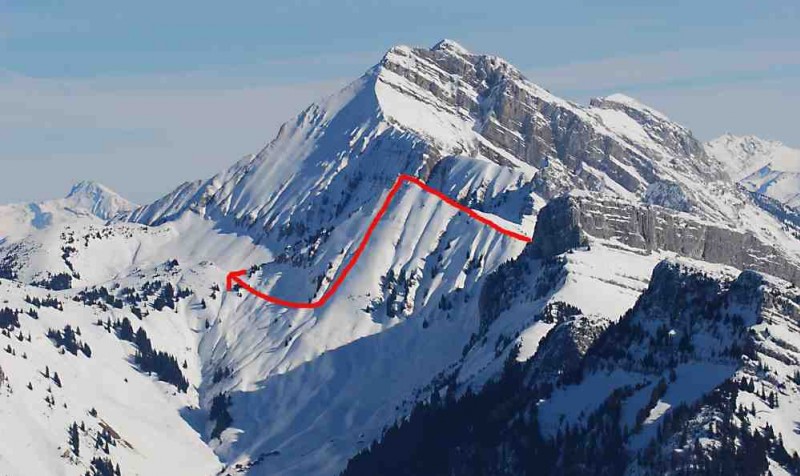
(308, 389)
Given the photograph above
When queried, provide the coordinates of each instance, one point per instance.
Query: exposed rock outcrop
(569, 221)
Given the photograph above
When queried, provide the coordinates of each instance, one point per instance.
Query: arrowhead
(233, 276)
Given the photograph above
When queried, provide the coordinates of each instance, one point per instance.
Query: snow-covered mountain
(98, 199)
(87, 201)
(162, 371)
(30, 233)
(764, 167)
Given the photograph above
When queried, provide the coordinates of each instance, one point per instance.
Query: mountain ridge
(462, 122)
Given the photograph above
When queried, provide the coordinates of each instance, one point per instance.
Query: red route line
(235, 276)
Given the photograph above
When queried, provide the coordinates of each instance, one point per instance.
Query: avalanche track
(235, 276)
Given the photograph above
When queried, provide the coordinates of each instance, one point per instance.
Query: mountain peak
(88, 187)
(450, 46)
(98, 199)
(631, 103)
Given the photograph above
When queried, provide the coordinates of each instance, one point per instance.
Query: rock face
(563, 348)
(668, 195)
(558, 228)
(571, 145)
(690, 304)
(567, 223)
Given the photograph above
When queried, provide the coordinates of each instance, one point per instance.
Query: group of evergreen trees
(99, 296)
(54, 377)
(768, 397)
(221, 373)
(166, 295)
(219, 414)
(396, 288)
(165, 299)
(103, 467)
(558, 311)
(164, 365)
(68, 339)
(8, 267)
(103, 439)
(507, 286)
(74, 439)
(48, 301)
(99, 466)
(474, 263)
(66, 252)
(738, 447)
(9, 318)
(468, 435)
(55, 282)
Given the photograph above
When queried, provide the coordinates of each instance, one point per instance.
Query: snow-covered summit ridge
(426, 104)
(627, 101)
(482, 105)
(99, 199)
(89, 187)
(447, 44)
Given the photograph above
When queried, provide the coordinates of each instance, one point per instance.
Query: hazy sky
(144, 95)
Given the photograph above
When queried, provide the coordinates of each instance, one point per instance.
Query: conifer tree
(74, 439)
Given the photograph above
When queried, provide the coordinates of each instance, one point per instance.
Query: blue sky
(143, 95)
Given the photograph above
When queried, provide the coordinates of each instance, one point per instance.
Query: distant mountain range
(650, 327)
(765, 167)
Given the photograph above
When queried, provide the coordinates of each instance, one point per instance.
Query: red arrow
(235, 276)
